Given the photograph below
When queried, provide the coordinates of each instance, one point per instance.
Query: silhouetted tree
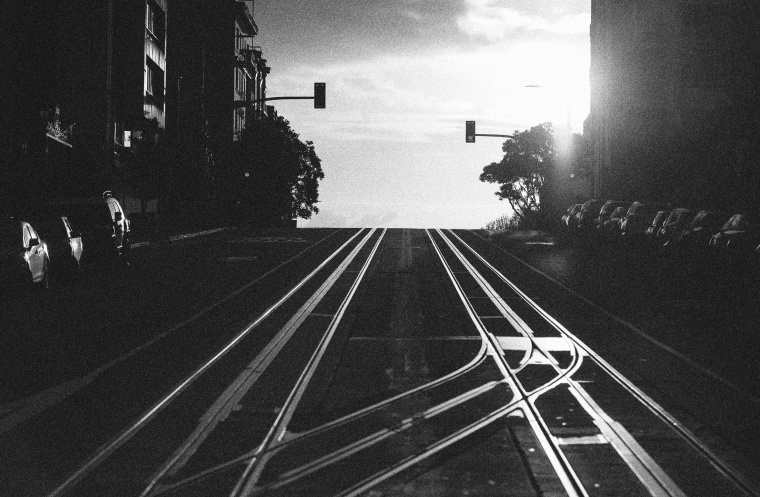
(284, 172)
(528, 158)
(531, 161)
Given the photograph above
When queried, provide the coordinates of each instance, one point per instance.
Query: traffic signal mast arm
(319, 98)
(470, 133)
(245, 103)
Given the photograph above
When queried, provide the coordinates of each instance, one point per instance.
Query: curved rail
(624, 443)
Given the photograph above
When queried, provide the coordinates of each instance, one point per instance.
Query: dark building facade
(213, 69)
(83, 77)
(144, 97)
(674, 105)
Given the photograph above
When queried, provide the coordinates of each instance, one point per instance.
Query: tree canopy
(528, 159)
(284, 172)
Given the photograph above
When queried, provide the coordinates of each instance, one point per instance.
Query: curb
(179, 237)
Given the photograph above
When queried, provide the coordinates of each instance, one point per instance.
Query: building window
(154, 82)
(156, 22)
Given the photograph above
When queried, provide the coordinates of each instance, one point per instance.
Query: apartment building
(215, 71)
(673, 98)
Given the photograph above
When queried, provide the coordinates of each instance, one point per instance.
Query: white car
(23, 257)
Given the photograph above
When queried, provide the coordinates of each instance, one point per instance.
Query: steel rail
(247, 482)
(371, 439)
(242, 384)
(517, 403)
(340, 454)
(28, 408)
(368, 483)
(369, 410)
(649, 473)
(382, 435)
(565, 472)
(707, 372)
(747, 487)
(337, 423)
(110, 447)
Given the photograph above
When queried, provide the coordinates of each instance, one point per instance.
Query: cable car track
(487, 390)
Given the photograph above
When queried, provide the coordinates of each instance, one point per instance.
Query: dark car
(654, 228)
(568, 219)
(674, 226)
(607, 209)
(103, 227)
(589, 211)
(64, 245)
(639, 216)
(704, 225)
(24, 260)
(737, 238)
(610, 229)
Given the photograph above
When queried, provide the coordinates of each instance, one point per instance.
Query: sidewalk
(164, 239)
(179, 219)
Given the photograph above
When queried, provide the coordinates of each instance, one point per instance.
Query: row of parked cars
(56, 239)
(658, 224)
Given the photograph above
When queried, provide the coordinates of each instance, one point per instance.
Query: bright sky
(402, 78)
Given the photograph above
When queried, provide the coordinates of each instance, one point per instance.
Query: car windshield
(659, 218)
(608, 207)
(676, 216)
(590, 205)
(733, 223)
(699, 220)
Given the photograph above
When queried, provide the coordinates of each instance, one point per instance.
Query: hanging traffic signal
(319, 95)
(469, 131)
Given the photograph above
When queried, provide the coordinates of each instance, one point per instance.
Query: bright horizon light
(391, 139)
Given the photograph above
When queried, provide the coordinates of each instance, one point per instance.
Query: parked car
(24, 260)
(704, 225)
(639, 216)
(674, 226)
(568, 217)
(103, 227)
(654, 228)
(64, 245)
(738, 237)
(589, 211)
(607, 209)
(610, 229)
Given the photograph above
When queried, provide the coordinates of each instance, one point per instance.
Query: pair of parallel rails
(462, 265)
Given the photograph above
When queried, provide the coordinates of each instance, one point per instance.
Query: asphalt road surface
(362, 362)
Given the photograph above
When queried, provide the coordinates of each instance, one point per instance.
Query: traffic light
(469, 132)
(319, 95)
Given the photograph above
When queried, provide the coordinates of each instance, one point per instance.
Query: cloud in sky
(402, 77)
(418, 96)
(495, 21)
